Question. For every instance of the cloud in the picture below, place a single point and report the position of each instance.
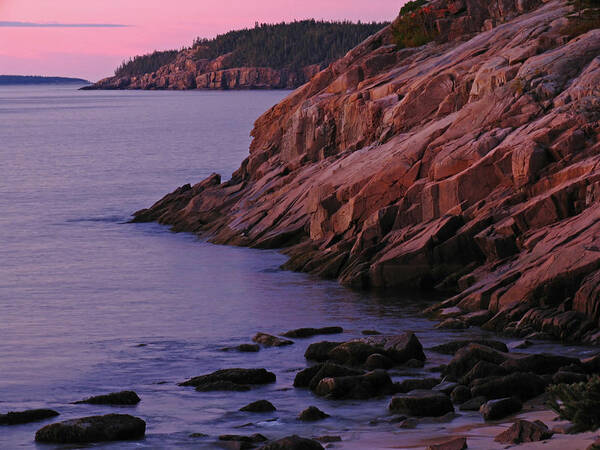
(59, 25)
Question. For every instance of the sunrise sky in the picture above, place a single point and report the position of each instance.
(78, 37)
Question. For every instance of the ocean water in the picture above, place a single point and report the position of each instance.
(90, 304)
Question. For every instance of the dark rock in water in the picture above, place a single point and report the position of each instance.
(483, 369)
(303, 377)
(467, 357)
(404, 347)
(452, 324)
(293, 443)
(499, 409)
(328, 370)
(416, 384)
(352, 352)
(541, 363)
(329, 439)
(32, 415)
(319, 351)
(474, 404)
(259, 406)
(257, 437)
(235, 376)
(248, 348)
(446, 387)
(269, 340)
(371, 384)
(521, 385)
(561, 377)
(414, 364)
(312, 414)
(379, 361)
(370, 332)
(308, 332)
(198, 435)
(116, 398)
(460, 394)
(450, 348)
(524, 431)
(459, 443)
(223, 386)
(422, 404)
(112, 427)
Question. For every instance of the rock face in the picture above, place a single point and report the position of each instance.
(470, 164)
(187, 72)
(112, 427)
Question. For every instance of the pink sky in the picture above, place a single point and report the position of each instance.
(93, 53)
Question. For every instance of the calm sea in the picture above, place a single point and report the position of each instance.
(90, 304)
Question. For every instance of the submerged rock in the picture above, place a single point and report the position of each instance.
(31, 415)
(112, 427)
(293, 443)
(230, 380)
(268, 340)
(371, 384)
(115, 398)
(259, 406)
(312, 414)
(422, 403)
(524, 431)
(308, 332)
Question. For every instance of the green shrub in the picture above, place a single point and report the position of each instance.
(415, 27)
(578, 403)
(412, 6)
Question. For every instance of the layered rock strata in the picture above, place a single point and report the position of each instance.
(470, 165)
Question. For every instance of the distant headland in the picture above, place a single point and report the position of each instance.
(19, 80)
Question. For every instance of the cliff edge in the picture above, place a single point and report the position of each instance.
(470, 165)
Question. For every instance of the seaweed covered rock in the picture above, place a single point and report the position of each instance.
(111, 427)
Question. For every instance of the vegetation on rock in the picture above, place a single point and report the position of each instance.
(283, 45)
(415, 26)
(578, 403)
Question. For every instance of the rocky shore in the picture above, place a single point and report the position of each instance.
(469, 165)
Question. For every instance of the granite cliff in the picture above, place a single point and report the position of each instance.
(469, 165)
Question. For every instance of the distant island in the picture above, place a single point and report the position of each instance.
(18, 80)
(268, 56)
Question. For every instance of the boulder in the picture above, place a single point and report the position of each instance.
(312, 414)
(31, 415)
(352, 352)
(416, 384)
(404, 347)
(467, 357)
(540, 363)
(459, 443)
(319, 351)
(259, 406)
(116, 398)
(241, 377)
(223, 386)
(293, 443)
(422, 403)
(371, 384)
(460, 394)
(379, 361)
(241, 442)
(268, 340)
(112, 427)
(473, 404)
(308, 332)
(450, 348)
(501, 408)
(311, 376)
(524, 431)
(483, 369)
(522, 385)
